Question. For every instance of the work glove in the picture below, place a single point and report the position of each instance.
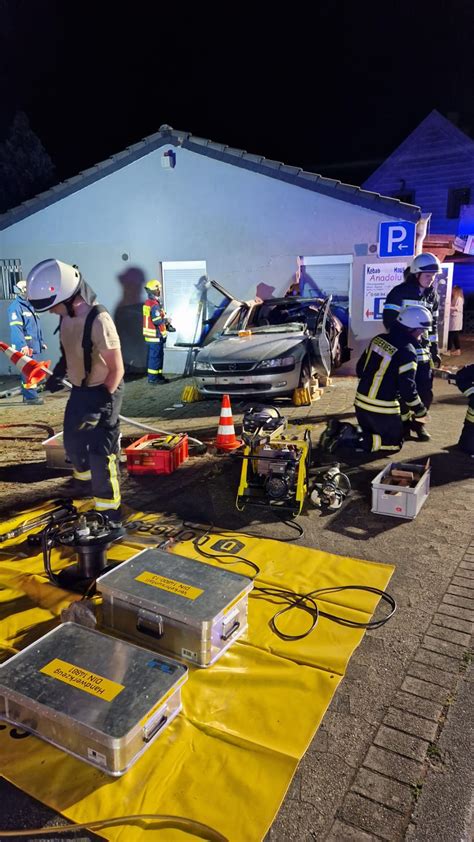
(26, 351)
(169, 327)
(53, 383)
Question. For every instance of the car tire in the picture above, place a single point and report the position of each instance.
(305, 374)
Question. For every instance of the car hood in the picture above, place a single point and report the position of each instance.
(251, 348)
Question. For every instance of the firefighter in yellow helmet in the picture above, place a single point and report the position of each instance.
(155, 329)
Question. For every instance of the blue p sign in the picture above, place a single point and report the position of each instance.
(397, 239)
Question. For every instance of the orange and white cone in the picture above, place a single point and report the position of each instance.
(226, 439)
(32, 370)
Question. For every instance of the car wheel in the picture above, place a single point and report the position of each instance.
(305, 374)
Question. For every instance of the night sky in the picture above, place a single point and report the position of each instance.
(344, 84)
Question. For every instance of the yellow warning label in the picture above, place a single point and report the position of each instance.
(170, 585)
(91, 683)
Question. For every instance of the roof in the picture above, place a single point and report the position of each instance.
(432, 138)
(167, 136)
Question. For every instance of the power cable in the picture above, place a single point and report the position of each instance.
(203, 831)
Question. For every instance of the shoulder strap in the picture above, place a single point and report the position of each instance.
(87, 339)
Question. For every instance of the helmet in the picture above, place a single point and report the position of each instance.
(153, 286)
(20, 288)
(52, 282)
(415, 317)
(426, 262)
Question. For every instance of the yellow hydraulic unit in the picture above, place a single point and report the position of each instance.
(275, 462)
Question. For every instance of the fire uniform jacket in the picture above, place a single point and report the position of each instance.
(410, 294)
(25, 327)
(154, 321)
(387, 371)
(465, 384)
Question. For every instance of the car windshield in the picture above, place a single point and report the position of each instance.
(275, 317)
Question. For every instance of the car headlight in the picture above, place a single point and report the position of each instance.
(202, 366)
(277, 362)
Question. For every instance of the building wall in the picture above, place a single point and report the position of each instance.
(250, 229)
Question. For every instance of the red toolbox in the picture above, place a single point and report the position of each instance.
(157, 453)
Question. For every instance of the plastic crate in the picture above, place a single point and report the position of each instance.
(144, 459)
(397, 501)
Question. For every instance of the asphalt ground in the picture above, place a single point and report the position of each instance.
(392, 757)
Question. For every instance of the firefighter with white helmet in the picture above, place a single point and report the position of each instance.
(92, 359)
(26, 336)
(155, 329)
(387, 376)
(418, 288)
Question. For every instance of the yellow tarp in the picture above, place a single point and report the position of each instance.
(228, 758)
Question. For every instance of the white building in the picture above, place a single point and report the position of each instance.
(178, 207)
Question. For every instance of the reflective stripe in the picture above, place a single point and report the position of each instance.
(392, 307)
(470, 415)
(378, 377)
(376, 442)
(469, 391)
(407, 367)
(154, 370)
(377, 401)
(15, 323)
(379, 410)
(406, 416)
(83, 476)
(114, 502)
(390, 447)
(152, 339)
(413, 403)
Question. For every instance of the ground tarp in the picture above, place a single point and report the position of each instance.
(228, 758)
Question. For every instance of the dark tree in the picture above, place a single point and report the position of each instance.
(25, 167)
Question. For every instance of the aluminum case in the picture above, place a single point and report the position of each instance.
(185, 608)
(99, 698)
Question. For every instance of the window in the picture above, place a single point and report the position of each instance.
(408, 198)
(10, 274)
(182, 296)
(457, 196)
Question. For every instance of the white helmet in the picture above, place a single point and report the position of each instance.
(52, 282)
(20, 288)
(426, 262)
(415, 317)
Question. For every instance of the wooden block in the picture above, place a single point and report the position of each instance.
(396, 472)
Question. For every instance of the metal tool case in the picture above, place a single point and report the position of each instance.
(101, 699)
(176, 605)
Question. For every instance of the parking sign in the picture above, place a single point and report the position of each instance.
(397, 239)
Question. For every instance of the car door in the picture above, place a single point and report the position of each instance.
(320, 343)
(211, 310)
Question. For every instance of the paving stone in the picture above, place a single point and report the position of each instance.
(467, 565)
(433, 674)
(460, 601)
(420, 707)
(373, 817)
(455, 611)
(342, 832)
(412, 724)
(436, 644)
(384, 790)
(451, 635)
(459, 590)
(435, 659)
(393, 765)
(404, 744)
(453, 623)
(463, 582)
(425, 689)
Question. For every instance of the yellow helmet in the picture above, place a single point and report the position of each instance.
(153, 286)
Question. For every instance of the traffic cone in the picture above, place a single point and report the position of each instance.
(32, 370)
(226, 439)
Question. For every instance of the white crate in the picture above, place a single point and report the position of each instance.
(56, 454)
(396, 501)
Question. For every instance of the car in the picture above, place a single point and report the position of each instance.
(265, 348)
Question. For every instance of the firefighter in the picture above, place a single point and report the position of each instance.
(387, 375)
(417, 288)
(92, 359)
(464, 379)
(155, 328)
(25, 335)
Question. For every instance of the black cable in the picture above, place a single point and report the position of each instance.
(210, 527)
(234, 559)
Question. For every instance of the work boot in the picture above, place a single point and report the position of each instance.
(33, 401)
(421, 433)
(333, 428)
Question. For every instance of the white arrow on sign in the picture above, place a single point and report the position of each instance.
(396, 235)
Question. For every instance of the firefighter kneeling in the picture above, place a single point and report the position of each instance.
(386, 372)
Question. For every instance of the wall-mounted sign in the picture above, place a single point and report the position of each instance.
(397, 239)
(379, 279)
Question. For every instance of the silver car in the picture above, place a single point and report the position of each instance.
(265, 348)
